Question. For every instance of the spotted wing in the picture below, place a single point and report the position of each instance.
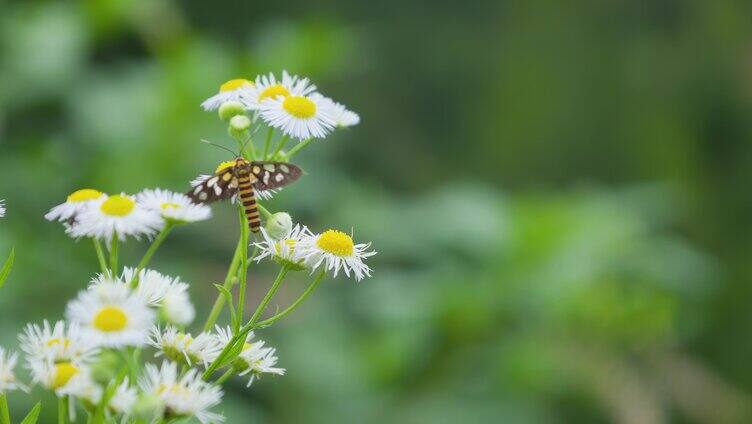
(271, 175)
(211, 188)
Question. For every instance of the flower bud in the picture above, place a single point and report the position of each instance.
(278, 225)
(105, 369)
(230, 109)
(239, 125)
(147, 407)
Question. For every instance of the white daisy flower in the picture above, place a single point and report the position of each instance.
(335, 250)
(8, 379)
(125, 397)
(342, 116)
(231, 90)
(284, 251)
(300, 116)
(152, 287)
(183, 347)
(112, 314)
(120, 215)
(57, 342)
(54, 375)
(254, 358)
(176, 207)
(183, 396)
(2, 208)
(77, 202)
(267, 87)
(177, 308)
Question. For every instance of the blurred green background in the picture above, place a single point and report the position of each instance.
(558, 191)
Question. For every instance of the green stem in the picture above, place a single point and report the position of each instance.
(282, 142)
(243, 274)
(306, 293)
(62, 410)
(229, 373)
(220, 302)
(4, 412)
(151, 250)
(272, 290)
(268, 142)
(100, 255)
(115, 244)
(298, 147)
(264, 211)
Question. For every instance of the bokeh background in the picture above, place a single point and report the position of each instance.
(559, 193)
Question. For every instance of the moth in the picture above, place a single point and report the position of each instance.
(244, 178)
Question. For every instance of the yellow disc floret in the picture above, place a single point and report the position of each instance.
(110, 319)
(299, 106)
(274, 91)
(59, 341)
(118, 205)
(84, 195)
(234, 84)
(224, 165)
(64, 371)
(336, 242)
(169, 205)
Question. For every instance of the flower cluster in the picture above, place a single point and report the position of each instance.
(93, 360)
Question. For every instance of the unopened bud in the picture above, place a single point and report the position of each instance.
(239, 125)
(148, 407)
(230, 109)
(278, 225)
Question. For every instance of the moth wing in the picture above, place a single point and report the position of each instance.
(271, 175)
(211, 188)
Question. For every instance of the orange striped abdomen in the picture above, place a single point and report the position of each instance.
(248, 199)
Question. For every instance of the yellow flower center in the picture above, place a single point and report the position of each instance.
(57, 341)
(118, 206)
(186, 339)
(224, 165)
(84, 195)
(110, 319)
(299, 106)
(247, 346)
(234, 84)
(274, 91)
(64, 371)
(336, 242)
(170, 205)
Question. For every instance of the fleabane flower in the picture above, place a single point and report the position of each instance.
(300, 116)
(119, 215)
(230, 91)
(268, 87)
(77, 202)
(342, 116)
(183, 396)
(254, 359)
(335, 251)
(285, 249)
(58, 342)
(112, 314)
(55, 375)
(183, 347)
(175, 207)
(125, 397)
(8, 379)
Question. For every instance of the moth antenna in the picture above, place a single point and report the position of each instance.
(221, 147)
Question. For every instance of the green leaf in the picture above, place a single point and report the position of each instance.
(33, 414)
(4, 413)
(5, 270)
(228, 298)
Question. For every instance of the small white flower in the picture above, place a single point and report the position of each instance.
(54, 375)
(183, 396)
(267, 87)
(342, 116)
(300, 116)
(152, 287)
(118, 215)
(335, 250)
(261, 194)
(125, 397)
(231, 90)
(254, 358)
(285, 249)
(8, 379)
(177, 308)
(77, 202)
(57, 342)
(112, 314)
(173, 206)
(183, 347)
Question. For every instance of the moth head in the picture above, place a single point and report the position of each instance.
(242, 166)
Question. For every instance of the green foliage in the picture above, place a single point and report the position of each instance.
(7, 266)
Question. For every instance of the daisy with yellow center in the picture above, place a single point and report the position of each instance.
(8, 379)
(119, 215)
(175, 207)
(59, 342)
(231, 91)
(254, 358)
(55, 375)
(268, 87)
(300, 116)
(112, 315)
(183, 348)
(183, 395)
(284, 250)
(335, 250)
(76, 203)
